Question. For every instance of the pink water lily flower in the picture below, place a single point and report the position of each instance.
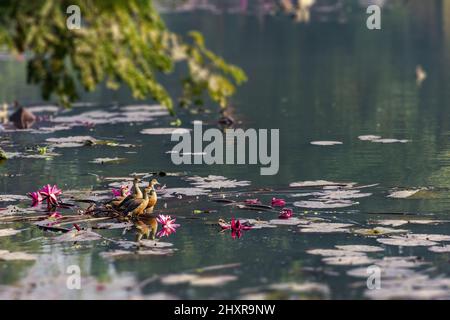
(118, 192)
(285, 213)
(51, 193)
(237, 227)
(252, 201)
(168, 225)
(36, 197)
(278, 202)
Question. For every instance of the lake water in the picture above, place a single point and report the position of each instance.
(314, 82)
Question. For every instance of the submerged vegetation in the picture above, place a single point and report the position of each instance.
(119, 42)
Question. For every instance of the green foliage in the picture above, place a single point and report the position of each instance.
(120, 42)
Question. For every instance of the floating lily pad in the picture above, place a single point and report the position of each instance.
(316, 183)
(403, 194)
(325, 143)
(389, 140)
(400, 262)
(359, 248)
(114, 225)
(163, 131)
(386, 273)
(10, 256)
(190, 192)
(155, 244)
(324, 227)
(396, 223)
(324, 204)
(76, 236)
(378, 231)
(216, 182)
(212, 281)
(300, 287)
(8, 232)
(289, 222)
(348, 260)
(175, 279)
(369, 137)
(12, 198)
(341, 194)
(70, 142)
(108, 160)
(440, 249)
(198, 281)
(405, 241)
(334, 253)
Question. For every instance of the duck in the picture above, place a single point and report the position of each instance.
(153, 196)
(118, 200)
(137, 206)
(137, 194)
(147, 226)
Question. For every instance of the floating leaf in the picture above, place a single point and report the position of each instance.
(163, 131)
(76, 236)
(378, 231)
(316, 183)
(9, 256)
(440, 249)
(325, 143)
(334, 253)
(405, 241)
(8, 232)
(108, 160)
(359, 248)
(212, 281)
(403, 194)
(368, 137)
(324, 227)
(325, 204)
(348, 260)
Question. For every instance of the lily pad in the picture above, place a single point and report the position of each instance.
(324, 204)
(289, 222)
(108, 160)
(334, 253)
(212, 281)
(12, 198)
(324, 227)
(378, 231)
(325, 143)
(10, 256)
(403, 194)
(8, 232)
(316, 183)
(164, 131)
(359, 248)
(440, 249)
(216, 182)
(369, 137)
(77, 236)
(406, 242)
(348, 260)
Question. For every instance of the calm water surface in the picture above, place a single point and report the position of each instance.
(320, 81)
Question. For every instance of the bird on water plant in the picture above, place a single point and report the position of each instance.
(119, 42)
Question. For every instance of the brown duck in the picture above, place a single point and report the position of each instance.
(137, 194)
(118, 200)
(153, 197)
(137, 206)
